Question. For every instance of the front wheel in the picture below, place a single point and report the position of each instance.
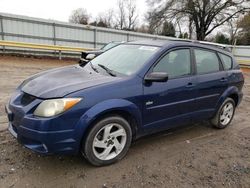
(108, 141)
(224, 115)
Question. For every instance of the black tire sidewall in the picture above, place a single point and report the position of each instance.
(216, 120)
(87, 145)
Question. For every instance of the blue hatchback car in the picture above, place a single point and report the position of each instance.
(132, 90)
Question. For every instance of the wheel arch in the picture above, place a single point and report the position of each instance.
(120, 107)
(235, 97)
(231, 92)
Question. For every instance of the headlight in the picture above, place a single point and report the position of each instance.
(52, 107)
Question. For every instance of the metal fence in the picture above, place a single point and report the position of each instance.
(34, 30)
(42, 31)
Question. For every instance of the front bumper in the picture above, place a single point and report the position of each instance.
(41, 142)
(57, 135)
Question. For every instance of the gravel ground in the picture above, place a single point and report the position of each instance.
(193, 156)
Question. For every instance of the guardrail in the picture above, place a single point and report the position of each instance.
(243, 63)
(43, 47)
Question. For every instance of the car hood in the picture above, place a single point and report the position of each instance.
(59, 82)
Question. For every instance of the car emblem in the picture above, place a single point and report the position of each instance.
(149, 103)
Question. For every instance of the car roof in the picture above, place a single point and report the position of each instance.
(175, 43)
(159, 43)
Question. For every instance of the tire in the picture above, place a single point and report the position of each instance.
(108, 141)
(224, 115)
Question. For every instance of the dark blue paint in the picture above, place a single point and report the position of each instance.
(175, 102)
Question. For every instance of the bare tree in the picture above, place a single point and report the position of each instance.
(108, 17)
(104, 19)
(233, 30)
(79, 16)
(132, 14)
(127, 15)
(205, 15)
(190, 27)
(121, 15)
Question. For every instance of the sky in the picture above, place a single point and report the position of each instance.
(61, 9)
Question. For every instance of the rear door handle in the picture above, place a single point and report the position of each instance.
(190, 84)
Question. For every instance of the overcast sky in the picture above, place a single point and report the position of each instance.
(61, 9)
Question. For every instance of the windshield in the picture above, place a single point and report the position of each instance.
(125, 59)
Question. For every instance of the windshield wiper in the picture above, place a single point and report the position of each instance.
(109, 71)
(92, 66)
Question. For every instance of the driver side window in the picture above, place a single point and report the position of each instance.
(176, 63)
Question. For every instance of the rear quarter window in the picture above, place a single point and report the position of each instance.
(227, 61)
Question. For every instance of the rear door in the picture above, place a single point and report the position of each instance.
(211, 81)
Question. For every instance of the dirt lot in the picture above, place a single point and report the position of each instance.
(194, 156)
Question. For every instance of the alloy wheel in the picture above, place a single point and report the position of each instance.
(109, 141)
(226, 113)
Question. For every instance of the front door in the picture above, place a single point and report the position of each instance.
(167, 104)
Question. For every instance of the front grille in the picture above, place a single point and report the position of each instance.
(27, 99)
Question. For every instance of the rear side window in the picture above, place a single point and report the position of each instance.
(176, 63)
(226, 60)
(206, 61)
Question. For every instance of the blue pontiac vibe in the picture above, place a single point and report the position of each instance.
(132, 90)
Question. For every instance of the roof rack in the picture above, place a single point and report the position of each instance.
(221, 46)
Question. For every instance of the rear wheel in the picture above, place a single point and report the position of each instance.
(224, 115)
(108, 141)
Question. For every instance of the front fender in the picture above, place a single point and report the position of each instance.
(233, 90)
(104, 107)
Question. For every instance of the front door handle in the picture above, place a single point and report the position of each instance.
(190, 84)
(223, 79)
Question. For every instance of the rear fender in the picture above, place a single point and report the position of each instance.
(230, 91)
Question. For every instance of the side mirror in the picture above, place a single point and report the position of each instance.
(83, 62)
(156, 77)
(90, 56)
